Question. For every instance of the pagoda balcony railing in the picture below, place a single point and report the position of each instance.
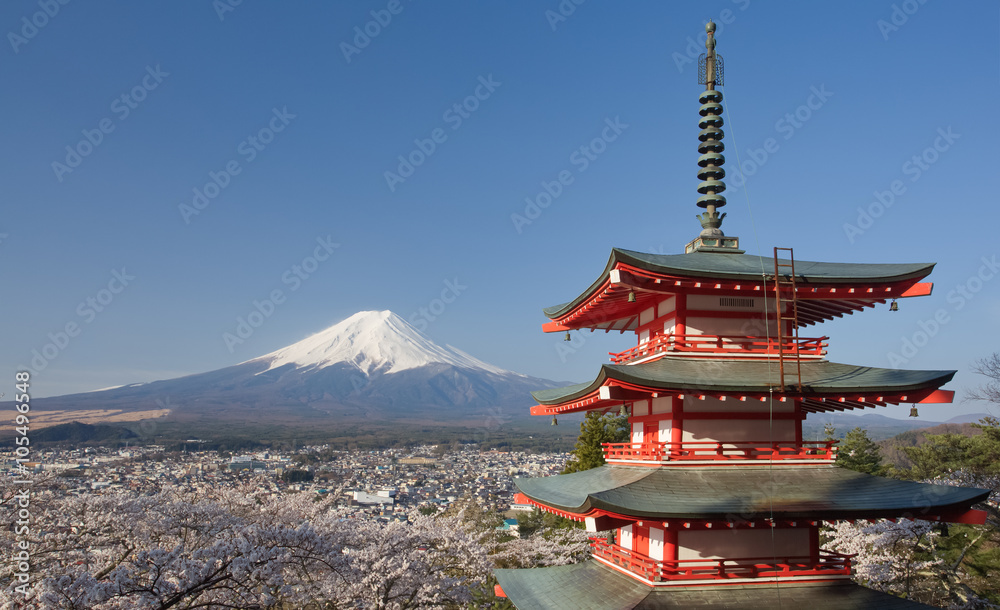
(826, 564)
(721, 451)
(728, 345)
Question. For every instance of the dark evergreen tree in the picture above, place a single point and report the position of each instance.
(595, 430)
(942, 454)
(829, 432)
(860, 453)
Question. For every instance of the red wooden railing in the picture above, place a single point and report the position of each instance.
(721, 451)
(759, 347)
(827, 564)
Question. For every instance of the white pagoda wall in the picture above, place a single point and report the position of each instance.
(708, 419)
(663, 316)
(625, 536)
(656, 543)
(722, 428)
(706, 430)
(743, 327)
(751, 320)
(743, 543)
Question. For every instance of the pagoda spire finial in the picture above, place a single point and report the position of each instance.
(710, 172)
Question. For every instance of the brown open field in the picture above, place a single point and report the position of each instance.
(44, 419)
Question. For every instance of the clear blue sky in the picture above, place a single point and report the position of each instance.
(328, 120)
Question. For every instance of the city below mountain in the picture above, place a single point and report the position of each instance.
(374, 367)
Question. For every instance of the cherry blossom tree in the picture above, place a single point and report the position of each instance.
(922, 560)
(888, 554)
(234, 548)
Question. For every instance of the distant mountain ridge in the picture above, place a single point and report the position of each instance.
(373, 366)
(878, 426)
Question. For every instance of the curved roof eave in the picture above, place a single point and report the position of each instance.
(751, 492)
(590, 585)
(818, 378)
(730, 266)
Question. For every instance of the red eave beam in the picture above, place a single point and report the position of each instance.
(498, 591)
(555, 327)
(587, 403)
(922, 289)
(560, 513)
(938, 396)
(969, 517)
(602, 516)
(606, 396)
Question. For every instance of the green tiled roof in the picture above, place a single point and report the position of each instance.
(745, 493)
(818, 377)
(749, 267)
(592, 586)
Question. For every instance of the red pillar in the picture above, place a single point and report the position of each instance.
(798, 420)
(670, 544)
(680, 319)
(677, 420)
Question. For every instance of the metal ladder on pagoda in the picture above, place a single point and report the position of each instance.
(785, 294)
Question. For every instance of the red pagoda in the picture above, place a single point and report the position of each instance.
(717, 501)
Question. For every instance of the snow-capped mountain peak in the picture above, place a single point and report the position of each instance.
(372, 341)
(407, 378)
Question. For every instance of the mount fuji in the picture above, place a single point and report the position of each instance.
(375, 343)
(374, 366)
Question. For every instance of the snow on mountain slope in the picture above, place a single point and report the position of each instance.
(372, 367)
(373, 341)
